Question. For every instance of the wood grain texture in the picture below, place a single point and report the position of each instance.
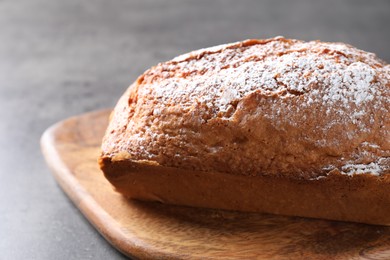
(152, 230)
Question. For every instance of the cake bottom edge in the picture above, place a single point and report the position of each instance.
(361, 198)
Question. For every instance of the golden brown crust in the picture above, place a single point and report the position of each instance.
(260, 107)
(302, 127)
(362, 198)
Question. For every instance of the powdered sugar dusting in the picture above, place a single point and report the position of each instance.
(372, 168)
(291, 71)
(335, 91)
(284, 68)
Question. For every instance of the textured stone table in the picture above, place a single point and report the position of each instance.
(62, 58)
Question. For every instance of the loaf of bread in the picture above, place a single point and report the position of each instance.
(278, 125)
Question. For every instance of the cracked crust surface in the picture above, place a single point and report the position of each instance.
(276, 107)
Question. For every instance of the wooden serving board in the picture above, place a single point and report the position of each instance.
(152, 230)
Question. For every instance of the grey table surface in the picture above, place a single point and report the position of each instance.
(63, 58)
